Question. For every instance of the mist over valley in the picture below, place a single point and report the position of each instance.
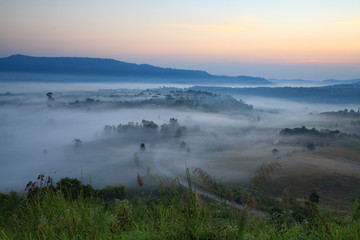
(180, 120)
(96, 134)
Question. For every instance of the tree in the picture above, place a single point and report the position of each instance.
(72, 188)
(142, 147)
(109, 193)
(275, 151)
(183, 145)
(310, 146)
(49, 95)
(149, 124)
(77, 142)
(173, 122)
(314, 198)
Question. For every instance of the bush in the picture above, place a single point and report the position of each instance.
(275, 151)
(9, 204)
(355, 207)
(310, 146)
(109, 193)
(72, 188)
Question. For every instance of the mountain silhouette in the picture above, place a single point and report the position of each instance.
(111, 67)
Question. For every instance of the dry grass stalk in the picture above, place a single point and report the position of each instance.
(262, 174)
(208, 181)
(285, 197)
(140, 180)
(245, 197)
(229, 195)
(248, 200)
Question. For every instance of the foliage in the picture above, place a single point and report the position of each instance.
(344, 113)
(142, 147)
(180, 213)
(310, 146)
(110, 193)
(73, 188)
(304, 131)
(9, 204)
(77, 142)
(275, 151)
(171, 129)
(355, 206)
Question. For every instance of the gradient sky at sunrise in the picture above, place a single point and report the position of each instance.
(316, 40)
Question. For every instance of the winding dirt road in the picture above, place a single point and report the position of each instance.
(162, 170)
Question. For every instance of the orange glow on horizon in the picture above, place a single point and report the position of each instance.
(322, 61)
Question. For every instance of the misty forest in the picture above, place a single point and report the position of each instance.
(178, 161)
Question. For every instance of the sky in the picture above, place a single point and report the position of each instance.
(284, 39)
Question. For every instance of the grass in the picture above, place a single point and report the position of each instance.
(177, 213)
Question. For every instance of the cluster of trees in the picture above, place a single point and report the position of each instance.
(73, 188)
(171, 129)
(313, 132)
(199, 100)
(355, 122)
(344, 113)
(86, 101)
(145, 125)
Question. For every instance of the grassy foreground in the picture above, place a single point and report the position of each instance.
(49, 212)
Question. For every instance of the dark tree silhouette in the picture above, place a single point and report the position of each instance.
(142, 147)
(310, 146)
(275, 151)
(50, 97)
(77, 142)
(182, 145)
(314, 198)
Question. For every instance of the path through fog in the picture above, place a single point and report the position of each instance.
(163, 171)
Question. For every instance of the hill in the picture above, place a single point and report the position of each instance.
(341, 93)
(111, 67)
(301, 82)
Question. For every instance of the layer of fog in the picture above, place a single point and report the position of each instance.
(25, 87)
(291, 107)
(33, 82)
(37, 139)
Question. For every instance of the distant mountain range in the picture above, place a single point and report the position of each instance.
(111, 70)
(119, 71)
(334, 94)
(301, 82)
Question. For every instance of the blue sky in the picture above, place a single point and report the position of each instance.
(274, 39)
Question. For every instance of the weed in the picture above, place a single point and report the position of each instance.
(355, 207)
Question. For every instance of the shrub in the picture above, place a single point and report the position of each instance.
(72, 188)
(355, 207)
(109, 193)
(310, 146)
(275, 151)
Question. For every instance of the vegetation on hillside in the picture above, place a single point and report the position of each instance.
(71, 210)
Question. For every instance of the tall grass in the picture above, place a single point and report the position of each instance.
(179, 214)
